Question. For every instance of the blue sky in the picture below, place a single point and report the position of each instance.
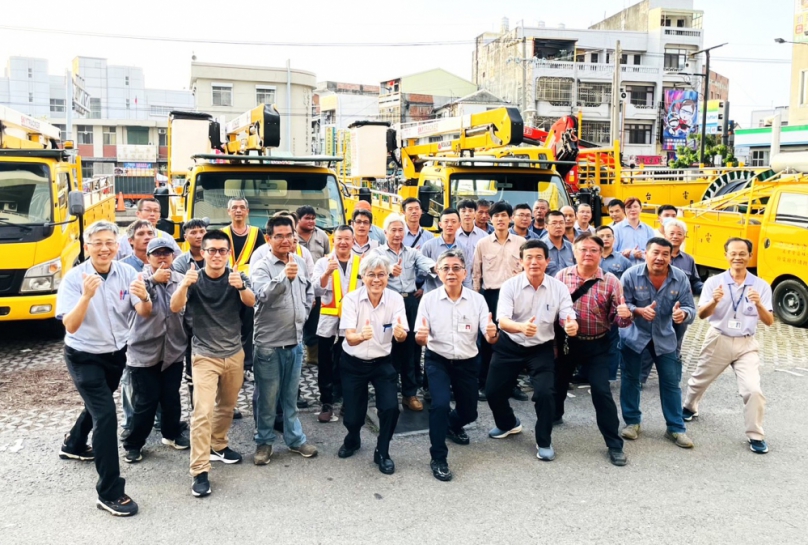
(749, 27)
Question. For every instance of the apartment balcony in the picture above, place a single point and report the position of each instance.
(682, 36)
(132, 153)
(594, 71)
(641, 111)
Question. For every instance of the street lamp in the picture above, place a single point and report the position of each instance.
(782, 41)
(706, 94)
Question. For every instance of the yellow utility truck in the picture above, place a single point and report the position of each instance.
(44, 207)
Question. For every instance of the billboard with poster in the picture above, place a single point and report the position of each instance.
(800, 21)
(681, 121)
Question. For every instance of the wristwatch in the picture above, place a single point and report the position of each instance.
(242, 288)
(147, 299)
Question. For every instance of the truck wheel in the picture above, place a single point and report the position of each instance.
(791, 302)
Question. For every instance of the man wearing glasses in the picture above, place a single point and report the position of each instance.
(214, 297)
(96, 301)
(372, 316)
(448, 321)
(284, 295)
(149, 210)
(362, 222)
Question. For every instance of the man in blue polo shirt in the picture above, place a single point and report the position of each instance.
(96, 302)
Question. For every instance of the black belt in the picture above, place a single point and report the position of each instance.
(286, 347)
(410, 294)
(370, 362)
(589, 337)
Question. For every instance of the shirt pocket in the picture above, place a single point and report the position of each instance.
(387, 335)
(548, 313)
(749, 309)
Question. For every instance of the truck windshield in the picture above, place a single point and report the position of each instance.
(268, 193)
(25, 194)
(510, 187)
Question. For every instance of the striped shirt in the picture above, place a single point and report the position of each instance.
(597, 308)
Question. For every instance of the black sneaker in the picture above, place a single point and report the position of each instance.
(481, 395)
(302, 403)
(617, 457)
(125, 434)
(132, 456)
(518, 394)
(459, 437)
(441, 471)
(226, 455)
(122, 507)
(688, 415)
(237, 414)
(84, 454)
(201, 486)
(180, 443)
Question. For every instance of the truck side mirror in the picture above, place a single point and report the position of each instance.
(161, 194)
(426, 195)
(75, 201)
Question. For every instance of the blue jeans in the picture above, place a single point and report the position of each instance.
(669, 369)
(277, 378)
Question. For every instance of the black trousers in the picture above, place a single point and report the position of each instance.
(486, 350)
(247, 325)
(329, 381)
(153, 387)
(310, 326)
(447, 376)
(402, 353)
(356, 375)
(507, 362)
(96, 377)
(594, 358)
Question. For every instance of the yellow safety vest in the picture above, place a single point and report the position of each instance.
(299, 250)
(242, 262)
(334, 308)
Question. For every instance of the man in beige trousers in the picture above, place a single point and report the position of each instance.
(733, 303)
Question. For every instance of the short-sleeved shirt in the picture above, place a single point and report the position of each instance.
(453, 325)
(495, 263)
(615, 263)
(471, 239)
(627, 237)
(133, 261)
(159, 337)
(183, 263)
(687, 265)
(362, 249)
(520, 301)
(433, 248)
(125, 249)
(263, 251)
(417, 239)
(540, 232)
(560, 258)
(640, 292)
(357, 309)
(736, 296)
(529, 235)
(328, 325)
(413, 263)
(318, 244)
(105, 327)
(597, 308)
(215, 307)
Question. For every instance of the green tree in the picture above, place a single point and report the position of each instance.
(687, 157)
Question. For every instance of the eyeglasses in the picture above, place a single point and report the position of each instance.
(290, 236)
(214, 251)
(455, 269)
(103, 244)
(589, 250)
(357, 222)
(162, 253)
(376, 276)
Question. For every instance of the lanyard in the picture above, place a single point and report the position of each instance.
(736, 304)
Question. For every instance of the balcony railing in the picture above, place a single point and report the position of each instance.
(693, 33)
(594, 68)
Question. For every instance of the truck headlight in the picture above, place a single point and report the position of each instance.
(43, 277)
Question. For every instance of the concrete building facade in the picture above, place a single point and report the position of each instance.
(336, 105)
(416, 97)
(552, 72)
(227, 90)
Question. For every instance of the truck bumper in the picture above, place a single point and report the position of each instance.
(32, 307)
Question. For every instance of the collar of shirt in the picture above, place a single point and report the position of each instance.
(573, 271)
(400, 254)
(443, 295)
(749, 281)
(364, 296)
(524, 282)
(493, 237)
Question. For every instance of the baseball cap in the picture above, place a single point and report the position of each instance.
(157, 243)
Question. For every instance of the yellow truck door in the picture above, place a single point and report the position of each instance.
(782, 253)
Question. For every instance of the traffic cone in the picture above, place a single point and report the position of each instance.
(120, 207)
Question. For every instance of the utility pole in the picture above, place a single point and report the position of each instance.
(615, 118)
(524, 72)
(706, 93)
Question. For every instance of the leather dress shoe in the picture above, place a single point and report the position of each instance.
(386, 465)
(346, 451)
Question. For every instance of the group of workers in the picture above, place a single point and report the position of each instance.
(501, 292)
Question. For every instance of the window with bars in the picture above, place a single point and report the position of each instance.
(641, 95)
(594, 94)
(556, 91)
(760, 158)
(222, 96)
(638, 133)
(595, 131)
(110, 136)
(264, 95)
(84, 134)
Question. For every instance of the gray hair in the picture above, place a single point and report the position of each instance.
(393, 218)
(100, 226)
(673, 222)
(234, 199)
(136, 225)
(458, 254)
(373, 261)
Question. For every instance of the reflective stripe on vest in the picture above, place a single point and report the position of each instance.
(242, 262)
(334, 308)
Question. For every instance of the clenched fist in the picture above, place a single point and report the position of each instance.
(90, 284)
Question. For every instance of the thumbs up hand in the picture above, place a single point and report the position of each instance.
(399, 332)
(571, 326)
(332, 265)
(397, 269)
(235, 280)
(491, 328)
(649, 312)
(162, 274)
(367, 331)
(679, 315)
(191, 276)
(422, 335)
(138, 287)
(90, 284)
(622, 309)
(529, 328)
(718, 293)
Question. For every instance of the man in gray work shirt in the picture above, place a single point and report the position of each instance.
(284, 295)
(407, 264)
